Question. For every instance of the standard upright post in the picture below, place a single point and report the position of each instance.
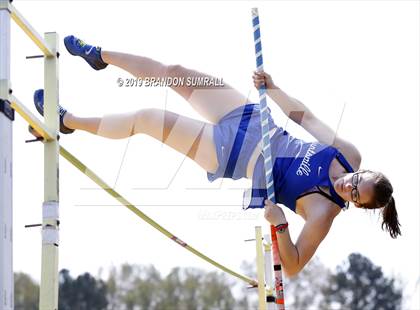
(6, 135)
(268, 268)
(49, 270)
(260, 269)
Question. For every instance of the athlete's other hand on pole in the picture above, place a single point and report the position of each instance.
(273, 213)
(262, 78)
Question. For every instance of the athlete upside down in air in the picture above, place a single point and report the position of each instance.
(316, 180)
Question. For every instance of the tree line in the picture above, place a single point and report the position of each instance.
(355, 284)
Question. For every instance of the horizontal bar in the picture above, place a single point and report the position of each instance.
(32, 120)
(89, 173)
(29, 30)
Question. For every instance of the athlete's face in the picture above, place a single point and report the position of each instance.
(356, 187)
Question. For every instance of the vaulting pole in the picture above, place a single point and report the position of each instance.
(268, 164)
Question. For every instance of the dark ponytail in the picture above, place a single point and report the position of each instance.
(383, 198)
(390, 219)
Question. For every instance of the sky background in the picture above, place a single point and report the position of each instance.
(360, 58)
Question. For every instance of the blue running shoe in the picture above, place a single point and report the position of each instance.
(39, 105)
(88, 52)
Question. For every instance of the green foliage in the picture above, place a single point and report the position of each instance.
(356, 284)
(215, 292)
(142, 287)
(304, 291)
(359, 284)
(26, 292)
(82, 293)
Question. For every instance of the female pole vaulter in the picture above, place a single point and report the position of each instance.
(317, 180)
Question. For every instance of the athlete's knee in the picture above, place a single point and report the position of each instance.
(155, 122)
(175, 70)
(117, 126)
(144, 119)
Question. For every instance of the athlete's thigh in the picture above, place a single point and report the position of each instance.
(212, 102)
(188, 136)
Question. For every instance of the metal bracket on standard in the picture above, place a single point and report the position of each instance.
(5, 5)
(34, 56)
(7, 109)
(51, 222)
(32, 225)
(41, 56)
(36, 135)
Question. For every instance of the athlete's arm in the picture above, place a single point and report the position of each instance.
(303, 116)
(294, 257)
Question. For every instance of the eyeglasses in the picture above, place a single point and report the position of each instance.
(355, 196)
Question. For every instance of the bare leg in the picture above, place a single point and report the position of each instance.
(190, 137)
(211, 102)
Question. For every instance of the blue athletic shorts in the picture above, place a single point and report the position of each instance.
(236, 135)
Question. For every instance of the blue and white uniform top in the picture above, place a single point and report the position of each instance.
(298, 168)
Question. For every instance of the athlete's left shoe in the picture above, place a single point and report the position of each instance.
(90, 53)
(39, 105)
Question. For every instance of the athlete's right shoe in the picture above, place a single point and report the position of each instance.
(90, 53)
(39, 105)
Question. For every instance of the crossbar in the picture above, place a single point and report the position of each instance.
(27, 28)
(95, 178)
(32, 120)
